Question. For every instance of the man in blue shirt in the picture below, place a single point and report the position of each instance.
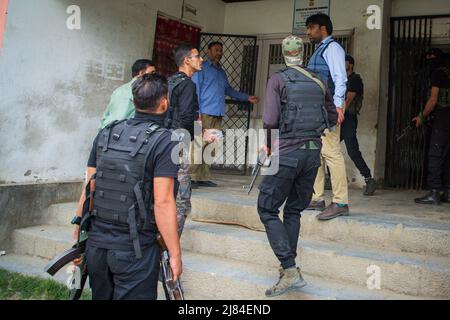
(328, 62)
(212, 87)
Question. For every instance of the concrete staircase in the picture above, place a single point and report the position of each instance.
(232, 262)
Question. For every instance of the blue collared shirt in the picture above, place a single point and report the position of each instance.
(334, 55)
(212, 87)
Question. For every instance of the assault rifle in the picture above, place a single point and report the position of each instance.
(260, 163)
(172, 289)
(405, 132)
(78, 281)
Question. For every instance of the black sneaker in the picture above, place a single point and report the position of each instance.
(206, 184)
(194, 184)
(432, 197)
(371, 186)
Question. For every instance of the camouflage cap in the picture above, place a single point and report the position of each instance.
(293, 50)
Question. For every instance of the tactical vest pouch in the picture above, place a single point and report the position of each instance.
(121, 189)
(304, 114)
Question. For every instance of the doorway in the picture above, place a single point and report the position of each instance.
(169, 34)
(239, 62)
(271, 59)
(407, 148)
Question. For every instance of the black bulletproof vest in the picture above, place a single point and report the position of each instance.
(173, 119)
(304, 114)
(123, 195)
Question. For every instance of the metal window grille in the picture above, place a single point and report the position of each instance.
(239, 62)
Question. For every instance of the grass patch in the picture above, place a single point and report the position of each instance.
(14, 286)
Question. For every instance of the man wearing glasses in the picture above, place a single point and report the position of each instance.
(182, 114)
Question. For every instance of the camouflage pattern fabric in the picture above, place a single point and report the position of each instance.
(183, 200)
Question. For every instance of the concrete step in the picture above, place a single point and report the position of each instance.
(31, 266)
(383, 231)
(60, 214)
(34, 266)
(44, 241)
(400, 273)
(215, 278)
(206, 278)
(227, 273)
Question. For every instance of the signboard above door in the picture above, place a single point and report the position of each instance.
(305, 8)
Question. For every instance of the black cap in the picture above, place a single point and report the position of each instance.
(350, 59)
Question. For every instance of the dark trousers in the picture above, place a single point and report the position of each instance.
(348, 134)
(294, 184)
(439, 153)
(118, 275)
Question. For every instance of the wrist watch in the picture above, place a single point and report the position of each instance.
(76, 221)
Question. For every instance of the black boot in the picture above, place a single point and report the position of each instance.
(433, 197)
(446, 196)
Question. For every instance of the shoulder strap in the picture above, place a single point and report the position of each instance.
(107, 133)
(310, 76)
(327, 45)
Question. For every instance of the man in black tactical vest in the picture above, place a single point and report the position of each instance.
(182, 114)
(438, 108)
(299, 105)
(134, 199)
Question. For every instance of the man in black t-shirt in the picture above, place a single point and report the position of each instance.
(183, 113)
(353, 105)
(438, 107)
(134, 200)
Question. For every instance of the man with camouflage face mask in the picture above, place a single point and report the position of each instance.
(300, 106)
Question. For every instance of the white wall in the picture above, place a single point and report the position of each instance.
(276, 16)
(52, 86)
(402, 8)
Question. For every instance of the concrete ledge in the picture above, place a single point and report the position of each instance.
(400, 273)
(386, 232)
(22, 205)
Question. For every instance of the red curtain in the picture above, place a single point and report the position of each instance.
(170, 34)
(3, 12)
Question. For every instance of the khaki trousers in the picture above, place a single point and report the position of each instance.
(332, 157)
(200, 172)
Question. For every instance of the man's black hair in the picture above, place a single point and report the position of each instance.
(322, 20)
(350, 59)
(181, 52)
(148, 90)
(215, 43)
(140, 65)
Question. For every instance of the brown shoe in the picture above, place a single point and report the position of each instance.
(333, 211)
(317, 205)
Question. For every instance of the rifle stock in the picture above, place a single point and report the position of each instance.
(79, 248)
